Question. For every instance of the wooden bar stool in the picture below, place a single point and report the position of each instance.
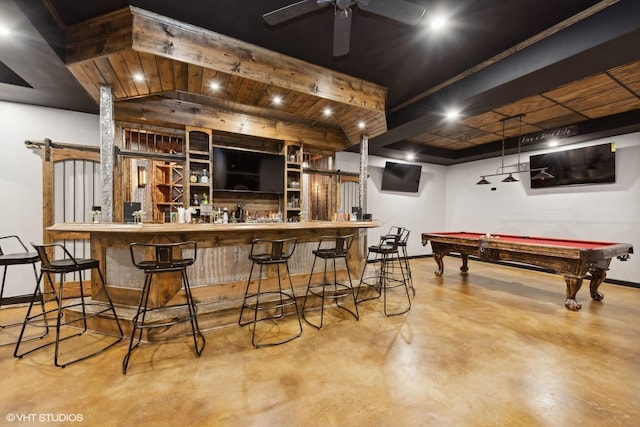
(15, 252)
(270, 304)
(156, 259)
(63, 319)
(391, 274)
(331, 248)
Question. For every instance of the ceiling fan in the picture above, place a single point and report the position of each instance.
(397, 10)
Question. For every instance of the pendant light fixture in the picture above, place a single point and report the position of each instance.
(542, 172)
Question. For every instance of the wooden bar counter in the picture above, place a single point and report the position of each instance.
(218, 277)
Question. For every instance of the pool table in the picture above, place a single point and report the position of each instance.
(571, 258)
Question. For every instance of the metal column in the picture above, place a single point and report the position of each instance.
(364, 161)
(107, 136)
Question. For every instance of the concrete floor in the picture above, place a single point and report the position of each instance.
(495, 347)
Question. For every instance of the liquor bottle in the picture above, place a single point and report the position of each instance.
(194, 201)
(204, 178)
(240, 212)
(193, 177)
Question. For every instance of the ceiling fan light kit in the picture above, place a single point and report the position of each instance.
(397, 10)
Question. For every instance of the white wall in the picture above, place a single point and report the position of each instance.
(21, 172)
(603, 212)
(449, 200)
(419, 212)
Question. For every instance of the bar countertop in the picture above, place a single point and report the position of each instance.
(106, 227)
(222, 268)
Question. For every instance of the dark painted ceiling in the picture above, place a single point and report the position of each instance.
(575, 40)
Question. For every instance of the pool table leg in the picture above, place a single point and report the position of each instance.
(465, 261)
(438, 257)
(597, 277)
(573, 286)
(439, 260)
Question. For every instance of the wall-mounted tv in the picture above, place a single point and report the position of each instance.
(247, 171)
(588, 165)
(402, 177)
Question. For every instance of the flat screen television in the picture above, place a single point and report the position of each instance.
(247, 171)
(588, 165)
(401, 177)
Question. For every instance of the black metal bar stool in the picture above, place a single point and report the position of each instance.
(89, 308)
(270, 304)
(21, 257)
(391, 272)
(331, 248)
(156, 259)
(402, 244)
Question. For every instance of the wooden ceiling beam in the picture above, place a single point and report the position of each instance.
(171, 112)
(147, 32)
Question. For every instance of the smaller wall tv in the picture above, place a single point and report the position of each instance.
(588, 165)
(401, 177)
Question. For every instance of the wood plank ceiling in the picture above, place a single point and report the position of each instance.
(605, 94)
(180, 62)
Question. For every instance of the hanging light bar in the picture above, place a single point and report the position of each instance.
(542, 172)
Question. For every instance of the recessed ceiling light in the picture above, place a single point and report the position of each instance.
(361, 125)
(327, 112)
(139, 77)
(411, 156)
(214, 86)
(277, 99)
(438, 22)
(452, 114)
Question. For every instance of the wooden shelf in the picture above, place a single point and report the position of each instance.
(198, 151)
(168, 191)
(293, 180)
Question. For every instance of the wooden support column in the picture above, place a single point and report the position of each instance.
(107, 136)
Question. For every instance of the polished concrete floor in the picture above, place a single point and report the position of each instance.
(495, 347)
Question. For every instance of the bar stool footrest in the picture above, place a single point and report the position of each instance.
(340, 290)
(152, 323)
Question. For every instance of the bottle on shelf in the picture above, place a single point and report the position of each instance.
(205, 199)
(240, 213)
(194, 201)
(193, 178)
(225, 216)
(204, 178)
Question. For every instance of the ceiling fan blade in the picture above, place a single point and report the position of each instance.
(398, 10)
(341, 32)
(294, 10)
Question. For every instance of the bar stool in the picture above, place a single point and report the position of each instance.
(402, 244)
(23, 257)
(270, 304)
(156, 259)
(90, 309)
(391, 273)
(331, 248)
